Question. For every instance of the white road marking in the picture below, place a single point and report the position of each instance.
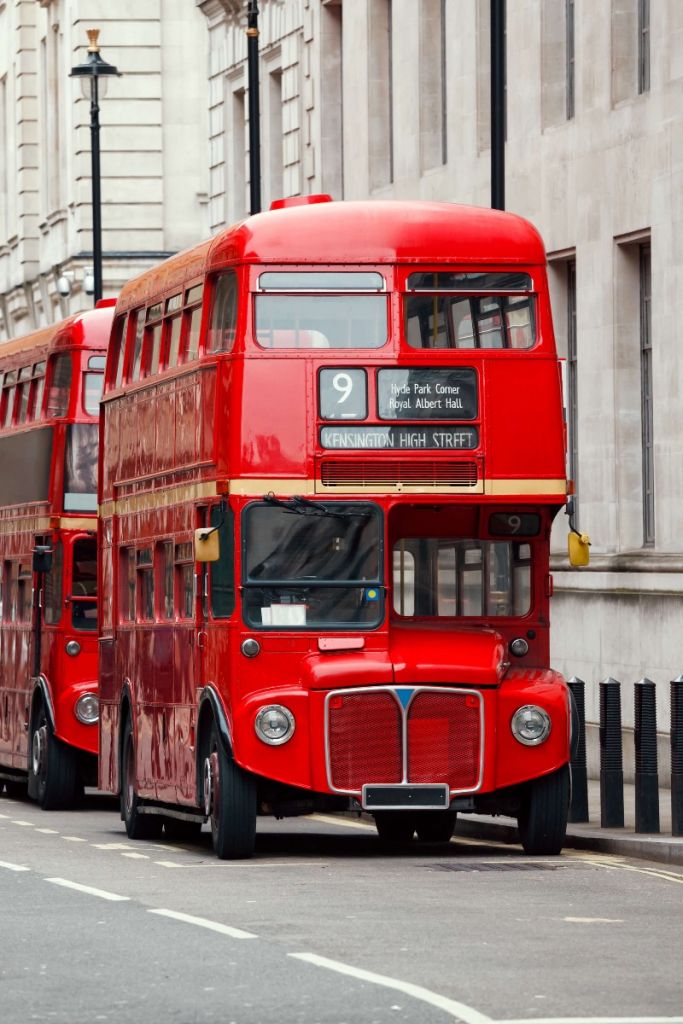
(12, 867)
(203, 922)
(102, 893)
(460, 1011)
(48, 831)
(136, 856)
(595, 1020)
(4, 815)
(110, 846)
(594, 920)
(26, 824)
(329, 819)
(169, 864)
(74, 839)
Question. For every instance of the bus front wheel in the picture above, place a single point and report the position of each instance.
(138, 825)
(542, 820)
(229, 803)
(53, 770)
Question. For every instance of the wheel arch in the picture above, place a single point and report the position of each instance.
(42, 693)
(210, 710)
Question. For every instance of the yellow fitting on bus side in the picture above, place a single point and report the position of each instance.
(579, 548)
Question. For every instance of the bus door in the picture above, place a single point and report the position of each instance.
(216, 603)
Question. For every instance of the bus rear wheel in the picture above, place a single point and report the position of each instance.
(542, 820)
(53, 770)
(138, 825)
(395, 826)
(435, 826)
(229, 803)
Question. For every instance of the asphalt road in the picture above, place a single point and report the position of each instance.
(324, 925)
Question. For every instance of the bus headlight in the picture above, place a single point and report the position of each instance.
(87, 708)
(73, 648)
(274, 724)
(530, 725)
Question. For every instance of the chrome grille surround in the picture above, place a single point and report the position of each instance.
(404, 711)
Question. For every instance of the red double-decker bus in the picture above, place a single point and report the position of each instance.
(332, 449)
(51, 384)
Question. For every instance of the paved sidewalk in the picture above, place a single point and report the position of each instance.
(590, 836)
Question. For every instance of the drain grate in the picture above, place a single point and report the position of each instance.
(473, 866)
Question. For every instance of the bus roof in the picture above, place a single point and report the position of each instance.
(371, 232)
(87, 329)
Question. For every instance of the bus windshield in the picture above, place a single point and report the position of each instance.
(309, 569)
(80, 468)
(438, 577)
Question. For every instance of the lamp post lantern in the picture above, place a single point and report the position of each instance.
(93, 75)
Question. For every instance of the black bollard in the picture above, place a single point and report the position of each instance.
(578, 809)
(677, 756)
(645, 740)
(611, 761)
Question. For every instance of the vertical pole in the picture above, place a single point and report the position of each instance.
(645, 740)
(254, 112)
(578, 810)
(677, 756)
(96, 200)
(498, 104)
(611, 760)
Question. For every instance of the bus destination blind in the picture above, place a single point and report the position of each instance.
(406, 437)
(427, 394)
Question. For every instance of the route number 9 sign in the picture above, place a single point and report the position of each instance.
(343, 394)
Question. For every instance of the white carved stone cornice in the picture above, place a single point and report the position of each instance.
(222, 10)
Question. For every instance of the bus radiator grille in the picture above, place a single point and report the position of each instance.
(364, 740)
(422, 472)
(444, 739)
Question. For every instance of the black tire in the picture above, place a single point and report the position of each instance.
(542, 820)
(53, 766)
(175, 829)
(435, 826)
(229, 802)
(395, 826)
(138, 826)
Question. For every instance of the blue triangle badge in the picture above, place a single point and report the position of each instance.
(404, 694)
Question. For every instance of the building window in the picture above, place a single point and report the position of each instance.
(380, 94)
(646, 397)
(643, 46)
(569, 57)
(432, 83)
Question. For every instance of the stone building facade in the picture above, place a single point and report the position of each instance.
(153, 137)
(390, 99)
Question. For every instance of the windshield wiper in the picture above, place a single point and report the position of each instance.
(301, 506)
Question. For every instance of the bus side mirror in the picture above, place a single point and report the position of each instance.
(206, 546)
(579, 545)
(42, 558)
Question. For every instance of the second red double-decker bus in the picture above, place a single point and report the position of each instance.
(332, 449)
(51, 382)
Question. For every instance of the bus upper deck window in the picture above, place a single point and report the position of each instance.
(223, 314)
(60, 385)
(24, 393)
(8, 396)
(449, 309)
(139, 330)
(92, 385)
(321, 309)
(38, 390)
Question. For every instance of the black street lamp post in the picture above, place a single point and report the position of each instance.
(90, 73)
(254, 113)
